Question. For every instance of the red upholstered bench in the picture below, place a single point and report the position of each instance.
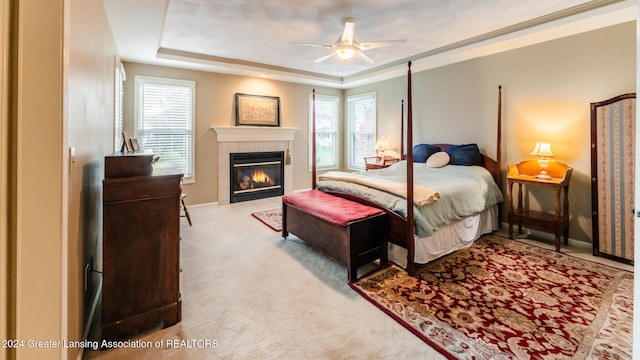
(351, 233)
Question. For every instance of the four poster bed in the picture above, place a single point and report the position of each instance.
(455, 193)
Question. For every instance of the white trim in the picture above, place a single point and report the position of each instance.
(139, 80)
(588, 16)
(335, 127)
(350, 146)
(254, 133)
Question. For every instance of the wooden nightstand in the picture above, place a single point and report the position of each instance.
(557, 222)
(379, 162)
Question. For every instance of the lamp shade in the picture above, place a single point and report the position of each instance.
(382, 145)
(542, 149)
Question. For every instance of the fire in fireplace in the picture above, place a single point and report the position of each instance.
(256, 175)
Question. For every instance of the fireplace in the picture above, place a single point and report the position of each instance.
(256, 175)
(244, 139)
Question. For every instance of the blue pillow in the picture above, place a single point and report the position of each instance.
(467, 154)
(421, 152)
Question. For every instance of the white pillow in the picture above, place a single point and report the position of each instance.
(438, 159)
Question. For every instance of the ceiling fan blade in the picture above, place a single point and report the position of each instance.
(308, 44)
(323, 58)
(347, 33)
(376, 44)
(362, 55)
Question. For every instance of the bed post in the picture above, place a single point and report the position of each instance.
(402, 157)
(498, 171)
(499, 141)
(409, 161)
(313, 139)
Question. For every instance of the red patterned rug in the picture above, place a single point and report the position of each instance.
(271, 218)
(503, 299)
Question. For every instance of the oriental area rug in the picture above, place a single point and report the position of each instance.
(271, 218)
(504, 299)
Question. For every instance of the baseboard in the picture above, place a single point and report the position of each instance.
(545, 236)
(202, 204)
(301, 190)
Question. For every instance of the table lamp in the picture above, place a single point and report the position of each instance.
(382, 145)
(544, 151)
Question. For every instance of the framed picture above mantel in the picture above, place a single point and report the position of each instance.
(257, 110)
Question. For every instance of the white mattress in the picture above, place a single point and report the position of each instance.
(448, 238)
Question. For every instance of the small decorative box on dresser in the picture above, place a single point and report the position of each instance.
(557, 222)
(141, 248)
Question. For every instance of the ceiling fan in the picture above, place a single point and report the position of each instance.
(346, 46)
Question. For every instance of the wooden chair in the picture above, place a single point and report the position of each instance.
(379, 162)
(184, 208)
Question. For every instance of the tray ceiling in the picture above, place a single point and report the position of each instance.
(253, 37)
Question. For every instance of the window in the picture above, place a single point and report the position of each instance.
(118, 95)
(361, 114)
(327, 139)
(164, 120)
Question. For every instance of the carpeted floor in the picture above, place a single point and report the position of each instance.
(261, 297)
(506, 299)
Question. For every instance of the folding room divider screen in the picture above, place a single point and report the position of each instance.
(613, 176)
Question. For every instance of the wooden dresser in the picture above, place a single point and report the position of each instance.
(141, 252)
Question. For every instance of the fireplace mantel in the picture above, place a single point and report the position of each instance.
(254, 133)
(238, 139)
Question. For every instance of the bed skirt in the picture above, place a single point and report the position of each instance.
(448, 238)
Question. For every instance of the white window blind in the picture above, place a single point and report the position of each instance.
(327, 135)
(361, 114)
(164, 120)
(118, 111)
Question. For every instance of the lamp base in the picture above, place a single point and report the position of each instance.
(543, 174)
(544, 164)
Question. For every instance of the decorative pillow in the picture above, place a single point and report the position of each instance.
(467, 154)
(438, 159)
(421, 152)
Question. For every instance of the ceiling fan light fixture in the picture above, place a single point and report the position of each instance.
(345, 52)
(346, 47)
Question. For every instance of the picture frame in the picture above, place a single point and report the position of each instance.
(257, 110)
(134, 145)
(126, 143)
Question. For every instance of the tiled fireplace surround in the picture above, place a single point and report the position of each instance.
(243, 139)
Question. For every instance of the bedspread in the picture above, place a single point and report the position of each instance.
(422, 195)
(463, 190)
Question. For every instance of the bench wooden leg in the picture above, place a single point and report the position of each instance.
(285, 233)
(352, 274)
(384, 252)
(359, 243)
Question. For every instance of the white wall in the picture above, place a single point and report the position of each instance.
(90, 94)
(215, 107)
(547, 89)
(40, 177)
(61, 94)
